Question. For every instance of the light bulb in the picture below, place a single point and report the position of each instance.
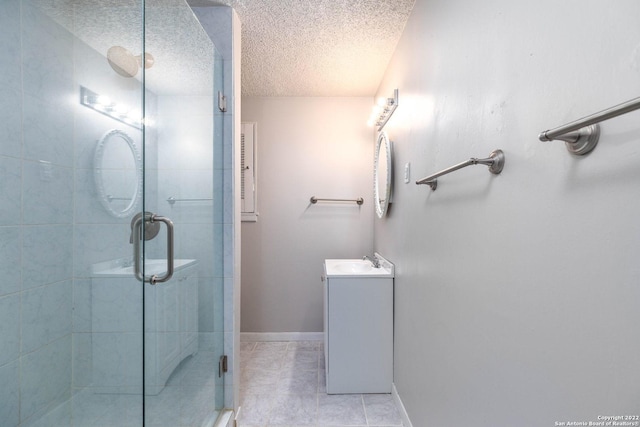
(104, 100)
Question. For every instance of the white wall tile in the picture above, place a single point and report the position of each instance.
(10, 394)
(81, 305)
(117, 361)
(99, 242)
(10, 43)
(116, 305)
(47, 193)
(47, 255)
(10, 259)
(47, 56)
(206, 302)
(11, 110)
(9, 328)
(48, 130)
(46, 315)
(82, 360)
(88, 208)
(10, 190)
(45, 378)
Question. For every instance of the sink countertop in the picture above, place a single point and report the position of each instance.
(123, 268)
(357, 268)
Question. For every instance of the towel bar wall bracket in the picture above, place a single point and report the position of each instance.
(495, 161)
(581, 136)
(578, 142)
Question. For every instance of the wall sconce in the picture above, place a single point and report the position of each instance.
(104, 105)
(383, 110)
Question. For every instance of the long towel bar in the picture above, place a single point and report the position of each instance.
(173, 200)
(315, 200)
(581, 136)
(495, 161)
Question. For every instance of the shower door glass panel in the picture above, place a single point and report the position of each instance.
(183, 328)
(71, 144)
(108, 90)
(83, 342)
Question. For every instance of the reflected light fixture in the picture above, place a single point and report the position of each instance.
(383, 110)
(125, 63)
(117, 111)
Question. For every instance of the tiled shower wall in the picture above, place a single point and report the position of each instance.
(51, 231)
(36, 213)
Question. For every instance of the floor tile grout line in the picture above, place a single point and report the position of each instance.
(364, 407)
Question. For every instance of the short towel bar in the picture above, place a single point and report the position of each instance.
(315, 200)
(495, 161)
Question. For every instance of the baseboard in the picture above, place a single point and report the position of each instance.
(281, 336)
(406, 422)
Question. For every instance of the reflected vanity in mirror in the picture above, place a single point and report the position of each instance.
(382, 175)
(117, 173)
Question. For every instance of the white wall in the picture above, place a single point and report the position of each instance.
(306, 147)
(516, 295)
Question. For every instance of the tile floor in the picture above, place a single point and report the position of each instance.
(283, 384)
(186, 401)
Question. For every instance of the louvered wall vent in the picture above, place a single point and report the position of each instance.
(248, 172)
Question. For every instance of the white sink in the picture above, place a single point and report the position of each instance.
(122, 267)
(356, 268)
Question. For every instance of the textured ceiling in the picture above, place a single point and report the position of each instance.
(289, 47)
(182, 50)
(317, 47)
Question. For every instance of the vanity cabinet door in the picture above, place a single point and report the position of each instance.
(168, 321)
(189, 322)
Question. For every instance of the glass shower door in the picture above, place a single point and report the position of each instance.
(108, 93)
(183, 309)
(94, 134)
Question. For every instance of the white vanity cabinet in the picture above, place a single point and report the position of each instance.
(171, 325)
(358, 327)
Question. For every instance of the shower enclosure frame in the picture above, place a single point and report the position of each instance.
(66, 258)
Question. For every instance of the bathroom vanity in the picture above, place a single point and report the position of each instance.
(358, 326)
(170, 323)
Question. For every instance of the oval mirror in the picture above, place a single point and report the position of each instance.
(382, 174)
(118, 173)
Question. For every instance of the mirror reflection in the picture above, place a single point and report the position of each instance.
(117, 171)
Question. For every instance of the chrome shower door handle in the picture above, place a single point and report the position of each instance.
(136, 229)
(159, 279)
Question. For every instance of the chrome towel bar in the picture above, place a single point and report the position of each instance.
(495, 161)
(315, 200)
(581, 136)
(110, 198)
(173, 200)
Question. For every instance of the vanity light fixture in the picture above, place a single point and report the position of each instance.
(103, 104)
(383, 110)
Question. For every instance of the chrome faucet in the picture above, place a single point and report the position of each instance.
(375, 261)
